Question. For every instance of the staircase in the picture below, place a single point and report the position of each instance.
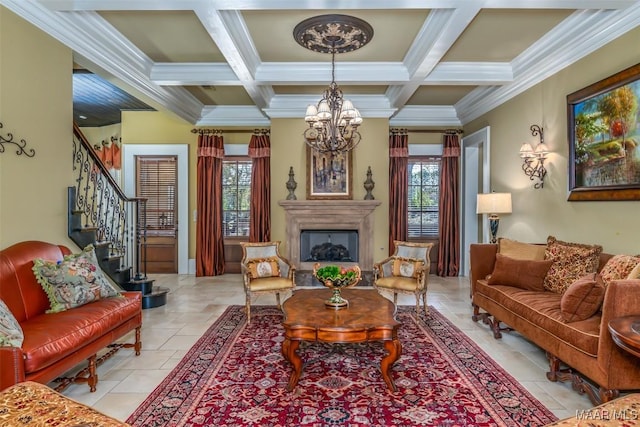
(100, 214)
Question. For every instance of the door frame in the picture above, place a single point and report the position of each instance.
(476, 163)
(129, 152)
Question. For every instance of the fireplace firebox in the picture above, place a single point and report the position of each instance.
(329, 245)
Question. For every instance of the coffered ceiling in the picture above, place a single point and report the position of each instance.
(236, 63)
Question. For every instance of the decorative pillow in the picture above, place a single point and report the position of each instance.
(618, 267)
(583, 298)
(518, 250)
(523, 274)
(635, 273)
(570, 262)
(11, 334)
(267, 267)
(407, 267)
(74, 281)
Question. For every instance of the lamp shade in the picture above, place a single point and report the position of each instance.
(493, 203)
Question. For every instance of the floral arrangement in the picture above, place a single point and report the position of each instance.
(337, 275)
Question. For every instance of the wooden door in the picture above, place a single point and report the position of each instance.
(157, 181)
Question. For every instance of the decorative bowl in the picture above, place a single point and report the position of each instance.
(336, 278)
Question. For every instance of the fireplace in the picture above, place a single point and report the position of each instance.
(329, 245)
(340, 218)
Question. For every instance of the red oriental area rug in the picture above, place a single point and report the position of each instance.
(235, 375)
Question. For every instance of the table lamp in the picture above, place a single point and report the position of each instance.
(494, 204)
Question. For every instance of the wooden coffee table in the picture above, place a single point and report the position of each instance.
(369, 317)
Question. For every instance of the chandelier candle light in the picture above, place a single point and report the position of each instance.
(334, 121)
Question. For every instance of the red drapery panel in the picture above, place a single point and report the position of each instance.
(259, 217)
(398, 187)
(209, 238)
(449, 251)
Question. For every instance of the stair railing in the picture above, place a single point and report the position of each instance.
(118, 220)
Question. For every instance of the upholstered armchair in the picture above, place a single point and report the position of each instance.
(406, 271)
(264, 270)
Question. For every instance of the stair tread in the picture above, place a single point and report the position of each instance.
(140, 281)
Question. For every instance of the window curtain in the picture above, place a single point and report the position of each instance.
(209, 238)
(398, 187)
(259, 217)
(449, 251)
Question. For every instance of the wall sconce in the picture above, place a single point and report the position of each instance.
(493, 204)
(533, 165)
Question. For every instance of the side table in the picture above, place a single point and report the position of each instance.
(625, 332)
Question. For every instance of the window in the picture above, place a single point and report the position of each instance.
(157, 181)
(236, 196)
(424, 196)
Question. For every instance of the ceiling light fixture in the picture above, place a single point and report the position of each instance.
(334, 121)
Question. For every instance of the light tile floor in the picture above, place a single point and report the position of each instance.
(195, 303)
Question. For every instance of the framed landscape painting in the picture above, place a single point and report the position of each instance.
(604, 138)
(329, 175)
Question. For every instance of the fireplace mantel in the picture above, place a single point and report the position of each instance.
(329, 214)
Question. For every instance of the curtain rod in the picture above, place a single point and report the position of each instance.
(445, 131)
(221, 131)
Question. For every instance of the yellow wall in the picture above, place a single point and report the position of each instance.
(96, 135)
(287, 149)
(33, 190)
(35, 105)
(543, 212)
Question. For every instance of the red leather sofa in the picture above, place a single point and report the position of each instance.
(57, 342)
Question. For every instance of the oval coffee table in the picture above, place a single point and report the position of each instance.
(369, 317)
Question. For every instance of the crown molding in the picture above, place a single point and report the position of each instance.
(471, 73)
(425, 115)
(353, 73)
(193, 73)
(95, 40)
(295, 106)
(235, 115)
(580, 34)
(438, 33)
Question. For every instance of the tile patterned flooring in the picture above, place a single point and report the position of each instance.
(195, 303)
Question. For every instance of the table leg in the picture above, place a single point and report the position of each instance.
(394, 348)
(289, 352)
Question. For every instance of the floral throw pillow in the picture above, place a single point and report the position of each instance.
(74, 281)
(618, 267)
(267, 267)
(571, 261)
(407, 267)
(10, 331)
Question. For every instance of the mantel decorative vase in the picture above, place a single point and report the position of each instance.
(336, 278)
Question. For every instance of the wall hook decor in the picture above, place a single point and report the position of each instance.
(21, 144)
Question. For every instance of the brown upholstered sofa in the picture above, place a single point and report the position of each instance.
(56, 342)
(580, 351)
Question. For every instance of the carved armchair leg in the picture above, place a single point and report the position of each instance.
(476, 314)
(554, 367)
(248, 307)
(278, 300)
(92, 379)
(138, 343)
(606, 394)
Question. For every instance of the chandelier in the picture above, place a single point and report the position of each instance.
(334, 121)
